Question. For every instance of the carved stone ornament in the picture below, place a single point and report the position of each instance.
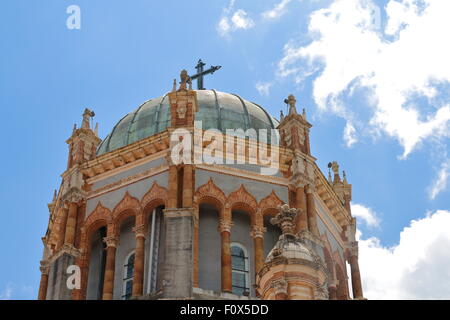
(110, 241)
(301, 135)
(139, 231)
(181, 109)
(280, 286)
(257, 231)
(288, 137)
(285, 219)
(225, 226)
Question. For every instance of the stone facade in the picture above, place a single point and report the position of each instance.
(186, 220)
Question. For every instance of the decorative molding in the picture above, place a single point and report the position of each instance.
(128, 180)
(227, 170)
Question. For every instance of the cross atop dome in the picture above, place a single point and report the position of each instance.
(201, 72)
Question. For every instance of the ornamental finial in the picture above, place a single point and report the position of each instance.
(291, 101)
(285, 219)
(335, 168)
(87, 118)
(184, 79)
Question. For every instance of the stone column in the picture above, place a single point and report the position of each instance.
(62, 231)
(280, 289)
(178, 249)
(257, 234)
(187, 186)
(332, 290)
(302, 218)
(108, 284)
(71, 224)
(356, 277)
(226, 275)
(311, 210)
(195, 249)
(82, 263)
(173, 186)
(139, 258)
(44, 282)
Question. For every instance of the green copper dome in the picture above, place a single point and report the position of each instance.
(217, 110)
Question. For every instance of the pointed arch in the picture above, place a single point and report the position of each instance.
(242, 196)
(271, 202)
(210, 193)
(328, 255)
(241, 199)
(268, 206)
(127, 207)
(100, 217)
(156, 192)
(341, 275)
(155, 196)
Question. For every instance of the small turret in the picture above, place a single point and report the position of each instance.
(342, 188)
(83, 141)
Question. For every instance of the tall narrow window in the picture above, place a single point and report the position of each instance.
(128, 273)
(240, 269)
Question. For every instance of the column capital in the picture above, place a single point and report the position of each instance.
(353, 250)
(44, 268)
(309, 188)
(333, 283)
(111, 241)
(140, 231)
(225, 225)
(257, 231)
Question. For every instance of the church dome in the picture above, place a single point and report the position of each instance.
(216, 110)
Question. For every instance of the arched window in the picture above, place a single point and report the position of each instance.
(128, 273)
(240, 269)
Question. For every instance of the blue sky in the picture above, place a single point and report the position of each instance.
(378, 101)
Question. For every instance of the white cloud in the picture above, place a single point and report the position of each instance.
(277, 11)
(350, 134)
(366, 214)
(440, 184)
(224, 26)
(233, 20)
(241, 21)
(6, 293)
(263, 88)
(416, 268)
(350, 46)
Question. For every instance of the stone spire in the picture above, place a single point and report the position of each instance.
(335, 168)
(83, 141)
(87, 115)
(292, 104)
(294, 129)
